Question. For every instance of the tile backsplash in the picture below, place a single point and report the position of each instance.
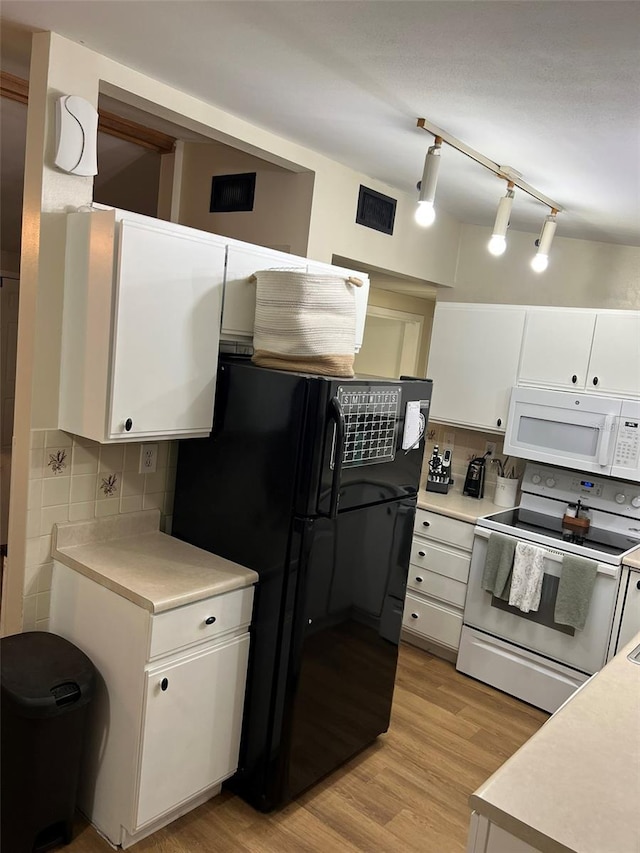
(73, 479)
(465, 445)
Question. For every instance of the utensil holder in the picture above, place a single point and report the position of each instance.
(506, 491)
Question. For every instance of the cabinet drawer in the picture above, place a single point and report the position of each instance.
(444, 529)
(439, 560)
(200, 621)
(437, 586)
(430, 620)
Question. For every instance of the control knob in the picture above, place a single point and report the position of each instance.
(550, 482)
(635, 502)
(620, 498)
(535, 479)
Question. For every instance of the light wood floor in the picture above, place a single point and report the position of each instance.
(407, 792)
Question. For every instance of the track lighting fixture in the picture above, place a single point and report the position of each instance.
(498, 241)
(540, 260)
(425, 212)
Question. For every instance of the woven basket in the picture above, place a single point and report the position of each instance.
(305, 321)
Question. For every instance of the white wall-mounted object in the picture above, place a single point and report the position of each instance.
(76, 136)
(573, 348)
(472, 361)
(164, 730)
(141, 326)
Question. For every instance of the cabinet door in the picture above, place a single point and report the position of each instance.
(166, 332)
(630, 624)
(615, 356)
(191, 729)
(243, 260)
(556, 348)
(473, 362)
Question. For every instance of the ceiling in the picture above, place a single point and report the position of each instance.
(550, 88)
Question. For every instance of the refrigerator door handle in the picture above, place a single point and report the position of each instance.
(337, 416)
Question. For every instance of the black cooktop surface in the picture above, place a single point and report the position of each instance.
(607, 541)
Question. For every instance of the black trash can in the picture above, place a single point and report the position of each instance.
(46, 685)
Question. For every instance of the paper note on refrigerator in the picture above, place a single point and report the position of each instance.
(414, 424)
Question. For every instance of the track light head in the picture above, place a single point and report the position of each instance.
(540, 260)
(498, 241)
(425, 212)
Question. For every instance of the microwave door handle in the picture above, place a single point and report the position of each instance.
(337, 416)
(606, 439)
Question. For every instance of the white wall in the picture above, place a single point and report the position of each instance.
(581, 273)
(58, 65)
(282, 202)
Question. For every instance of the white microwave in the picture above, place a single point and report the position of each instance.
(596, 434)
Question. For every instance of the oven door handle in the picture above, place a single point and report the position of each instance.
(556, 556)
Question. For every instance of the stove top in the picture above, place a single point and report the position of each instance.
(612, 507)
(597, 539)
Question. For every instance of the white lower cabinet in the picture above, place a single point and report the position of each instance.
(164, 725)
(487, 837)
(437, 581)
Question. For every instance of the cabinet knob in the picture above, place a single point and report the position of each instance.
(128, 424)
(164, 684)
(426, 524)
(499, 422)
(421, 554)
(595, 380)
(574, 379)
(419, 579)
(414, 615)
(638, 585)
(209, 620)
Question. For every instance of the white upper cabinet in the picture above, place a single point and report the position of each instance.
(243, 260)
(614, 366)
(473, 362)
(556, 347)
(141, 321)
(596, 351)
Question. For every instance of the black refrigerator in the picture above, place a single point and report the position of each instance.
(312, 482)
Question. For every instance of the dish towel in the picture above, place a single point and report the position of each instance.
(526, 580)
(574, 591)
(498, 564)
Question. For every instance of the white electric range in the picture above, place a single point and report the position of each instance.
(530, 655)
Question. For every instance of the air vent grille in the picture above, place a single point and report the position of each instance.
(376, 210)
(230, 193)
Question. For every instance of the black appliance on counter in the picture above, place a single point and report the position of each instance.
(312, 482)
(474, 480)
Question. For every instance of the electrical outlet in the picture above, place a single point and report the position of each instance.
(148, 458)
(490, 447)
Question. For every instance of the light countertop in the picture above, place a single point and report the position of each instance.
(130, 556)
(574, 787)
(456, 505)
(633, 559)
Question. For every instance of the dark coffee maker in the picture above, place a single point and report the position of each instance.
(474, 481)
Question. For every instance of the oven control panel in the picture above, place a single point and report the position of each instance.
(603, 493)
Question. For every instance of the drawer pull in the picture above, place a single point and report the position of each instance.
(419, 579)
(414, 615)
(426, 524)
(422, 554)
(164, 684)
(209, 620)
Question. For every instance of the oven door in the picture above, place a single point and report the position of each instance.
(584, 650)
(559, 428)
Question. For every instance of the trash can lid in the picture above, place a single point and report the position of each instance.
(42, 674)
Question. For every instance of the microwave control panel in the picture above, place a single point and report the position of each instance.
(627, 450)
